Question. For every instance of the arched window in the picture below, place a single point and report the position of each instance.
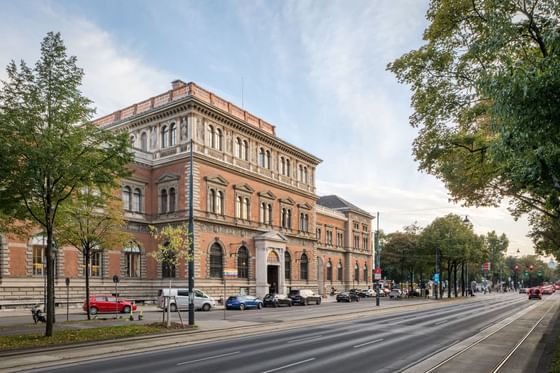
(238, 148)
(171, 199)
(339, 271)
(238, 204)
(269, 214)
(144, 141)
(329, 270)
(218, 144)
(357, 272)
(126, 198)
(220, 202)
(131, 140)
(305, 175)
(246, 207)
(303, 262)
(267, 161)
(216, 262)
(288, 167)
(173, 135)
(243, 262)
(282, 166)
(283, 217)
(212, 201)
(261, 157)
(365, 273)
(137, 200)
(245, 150)
(210, 136)
(287, 265)
(164, 201)
(164, 137)
(300, 174)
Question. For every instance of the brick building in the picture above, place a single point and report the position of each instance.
(255, 210)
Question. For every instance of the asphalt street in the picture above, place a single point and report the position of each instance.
(383, 343)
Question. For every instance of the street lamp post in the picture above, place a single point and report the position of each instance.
(377, 262)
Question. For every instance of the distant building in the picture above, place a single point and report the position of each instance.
(255, 210)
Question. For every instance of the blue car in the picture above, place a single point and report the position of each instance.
(241, 302)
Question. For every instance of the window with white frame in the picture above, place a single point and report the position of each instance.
(262, 157)
(164, 136)
(95, 262)
(245, 150)
(132, 258)
(137, 200)
(172, 134)
(144, 141)
(39, 260)
(126, 197)
(339, 238)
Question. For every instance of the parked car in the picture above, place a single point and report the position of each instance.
(180, 299)
(395, 293)
(304, 296)
(347, 296)
(369, 292)
(535, 293)
(242, 302)
(383, 292)
(557, 286)
(102, 303)
(275, 300)
(522, 290)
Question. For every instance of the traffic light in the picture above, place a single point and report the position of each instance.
(531, 267)
(539, 273)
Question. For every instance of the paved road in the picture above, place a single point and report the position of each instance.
(383, 343)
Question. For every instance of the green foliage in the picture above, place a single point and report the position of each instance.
(173, 244)
(49, 150)
(486, 88)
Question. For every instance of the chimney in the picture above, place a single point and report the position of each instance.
(177, 83)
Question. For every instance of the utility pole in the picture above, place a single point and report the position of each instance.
(191, 232)
(377, 262)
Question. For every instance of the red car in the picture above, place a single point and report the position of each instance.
(107, 304)
(535, 293)
(547, 289)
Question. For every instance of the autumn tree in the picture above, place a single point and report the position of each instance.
(486, 88)
(92, 220)
(173, 247)
(49, 150)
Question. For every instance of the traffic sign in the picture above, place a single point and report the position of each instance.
(377, 273)
(436, 278)
(486, 267)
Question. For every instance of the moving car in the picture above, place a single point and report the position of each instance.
(535, 293)
(180, 299)
(103, 303)
(275, 300)
(304, 297)
(347, 296)
(547, 289)
(242, 302)
(522, 290)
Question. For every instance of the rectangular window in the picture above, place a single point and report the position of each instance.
(38, 260)
(366, 241)
(356, 241)
(319, 234)
(132, 264)
(94, 264)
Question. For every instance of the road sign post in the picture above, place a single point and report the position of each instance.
(67, 281)
(116, 281)
(228, 273)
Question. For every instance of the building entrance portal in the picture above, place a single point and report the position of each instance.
(272, 278)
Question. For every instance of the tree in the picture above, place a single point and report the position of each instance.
(496, 247)
(173, 246)
(486, 87)
(49, 148)
(92, 219)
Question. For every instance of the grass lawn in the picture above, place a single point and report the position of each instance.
(62, 337)
(555, 366)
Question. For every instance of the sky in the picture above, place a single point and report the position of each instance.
(315, 69)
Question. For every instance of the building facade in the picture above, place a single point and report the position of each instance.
(255, 208)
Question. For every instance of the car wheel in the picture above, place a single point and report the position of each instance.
(206, 307)
(126, 309)
(338, 300)
(93, 310)
(290, 304)
(357, 299)
(173, 307)
(259, 306)
(242, 307)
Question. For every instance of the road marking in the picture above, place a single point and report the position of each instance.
(289, 365)
(208, 358)
(368, 343)
(440, 322)
(304, 339)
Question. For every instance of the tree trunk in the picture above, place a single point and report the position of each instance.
(463, 279)
(455, 279)
(49, 307)
(169, 304)
(87, 254)
(449, 270)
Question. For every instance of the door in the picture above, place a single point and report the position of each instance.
(272, 278)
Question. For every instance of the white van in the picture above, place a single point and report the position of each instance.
(180, 299)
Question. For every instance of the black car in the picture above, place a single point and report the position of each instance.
(275, 300)
(347, 296)
(359, 292)
(304, 296)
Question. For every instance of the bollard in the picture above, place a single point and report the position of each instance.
(131, 317)
(141, 315)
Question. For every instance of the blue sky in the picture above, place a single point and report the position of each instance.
(315, 69)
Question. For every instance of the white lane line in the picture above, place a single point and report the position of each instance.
(440, 322)
(289, 365)
(368, 343)
(208, 358)
(304, 339)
